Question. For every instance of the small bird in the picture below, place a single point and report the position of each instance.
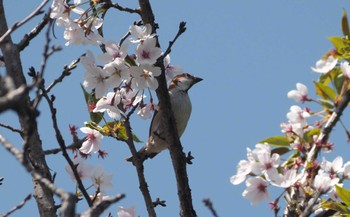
(181, 106)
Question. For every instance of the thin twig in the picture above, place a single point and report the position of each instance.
(15, 26)
(34, 32)
(61, 143)
(11, 128)
(130, 10)
(72, 146)
(207, 202)
(66, 72)
(182, 29)
(19, 206)
(68, 200)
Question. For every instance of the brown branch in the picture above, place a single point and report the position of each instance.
(99, 207)
(35, 31)
(207, 202)
(182, 29)
(11, 128)
(19, 206)
(178, 157)
(138, 163)
(32, 148)
(68, 200)
(62, 145)
(72, 146)
(129, 10)
(15, 26)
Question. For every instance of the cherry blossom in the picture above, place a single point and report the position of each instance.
(298, 115)
(256, 190)
(325, 65)
(95, 77)
(84, 170)
(101, 180)
(286, 180)
(126, 212)
(147, 52)
(346, 170)
(332, 167)
(140, 33)
(323, 182)
(300, 94)
(345, 68)
(110, 104)
(113, 51)
(146, 111)
(117, 72)
(144, 77)
(244, 167)
(171, 70)
(92, 142)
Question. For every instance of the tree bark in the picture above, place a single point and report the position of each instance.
(32, 147)
(178, 157)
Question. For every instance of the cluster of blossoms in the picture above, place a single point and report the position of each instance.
(101, 181)
(264, 167)
(120, 80)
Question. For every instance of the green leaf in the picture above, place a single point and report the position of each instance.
(339, 81)
(335, 206)
(338, 43)
(279, 141)
(324, 91)
(136, 139)
(95, 126)
(345, 24)
(326, 103)
(280, 150)
(343, 194)
(90, 101)
(308, 136)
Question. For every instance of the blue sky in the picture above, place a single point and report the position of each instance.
(249, 53)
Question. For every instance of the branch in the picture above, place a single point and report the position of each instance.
(61, 142)
(207, 202)
(15, 26)
(35, 31)
(182, 29)
(130, 10)
(72, 146)
(68, 200)
(11, 128)
(12, 95)
(19, 206)
(178, 157)
(101, 206)
(322, 139)
(138, 163)
(32, 148)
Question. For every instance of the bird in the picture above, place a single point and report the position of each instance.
(181, 107)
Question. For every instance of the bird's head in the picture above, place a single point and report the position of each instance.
(184, 82)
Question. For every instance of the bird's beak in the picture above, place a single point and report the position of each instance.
(196, 80)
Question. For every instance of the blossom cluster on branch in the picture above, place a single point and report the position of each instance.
(310, 184)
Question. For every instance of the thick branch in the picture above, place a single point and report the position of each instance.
(138, 163)
(33, 152)
(177, 155)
